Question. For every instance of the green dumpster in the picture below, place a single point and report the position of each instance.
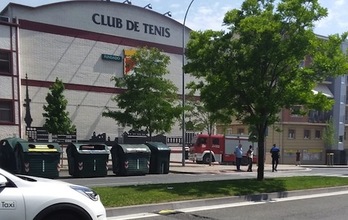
(38, 159)
(160, 158)
(7, 156)
(88, 159)
(130, 159)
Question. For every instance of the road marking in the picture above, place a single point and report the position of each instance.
(230, 205)
(167, 212)
(309, 196)
(134, 216)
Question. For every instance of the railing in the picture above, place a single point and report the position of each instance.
(178, 139)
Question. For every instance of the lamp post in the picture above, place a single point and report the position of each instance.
(28, 120)
(168, 13)
(149, 6)
(129, 2)
(183, 86)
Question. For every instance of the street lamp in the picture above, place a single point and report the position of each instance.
(168, 13)
(149, 6)
(183, 85)
(129, 2)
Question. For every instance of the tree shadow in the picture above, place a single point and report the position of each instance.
(252, 189)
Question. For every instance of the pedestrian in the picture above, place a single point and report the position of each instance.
(275, 153)
(238, 153)
(298, 158)
(250, 155)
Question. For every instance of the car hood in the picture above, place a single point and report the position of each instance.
(33, 180)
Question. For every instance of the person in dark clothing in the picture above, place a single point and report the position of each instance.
(298, 158)
(275, 153)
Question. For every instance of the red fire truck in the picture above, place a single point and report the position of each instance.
(221, 150)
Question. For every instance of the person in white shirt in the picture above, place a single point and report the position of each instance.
(238, 152)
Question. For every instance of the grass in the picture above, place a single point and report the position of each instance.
(158, 193)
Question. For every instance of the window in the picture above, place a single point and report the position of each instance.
(307, 134)
(240, 130)
(296, 111)
(317, 134)
(229, 131)
(5, 62)
(216, 141)
(6, 111)
(291, 134)
(201, 141)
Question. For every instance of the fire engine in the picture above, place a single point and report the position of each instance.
(221, 150)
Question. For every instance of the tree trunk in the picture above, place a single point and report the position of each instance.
(150, 135)
(261, 155)
(210, 145)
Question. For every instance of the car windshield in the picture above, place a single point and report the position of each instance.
(27, 178)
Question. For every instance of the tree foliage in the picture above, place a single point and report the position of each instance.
(57, 118)
(254, 68)
(148, 100)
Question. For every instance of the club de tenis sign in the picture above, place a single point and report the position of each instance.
(115, 22)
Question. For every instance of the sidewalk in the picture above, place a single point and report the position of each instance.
(193, 168)
(215, 168)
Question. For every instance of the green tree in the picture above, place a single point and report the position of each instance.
(329, 134)
(57, 118)
(148, 100)
(254, 68)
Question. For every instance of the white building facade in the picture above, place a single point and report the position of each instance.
(83, 44)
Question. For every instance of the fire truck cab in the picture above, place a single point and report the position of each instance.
(219, 148)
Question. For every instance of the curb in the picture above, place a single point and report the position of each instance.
(155, 208)
(202, 170)
(325, 166)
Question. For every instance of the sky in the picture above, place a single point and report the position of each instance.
(208, 14)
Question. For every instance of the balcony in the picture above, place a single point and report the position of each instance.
(319, 117)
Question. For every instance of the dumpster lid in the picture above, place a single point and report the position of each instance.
(134, 148)
(159, 145)
(12, 141)
(90, 148)
(39, 147)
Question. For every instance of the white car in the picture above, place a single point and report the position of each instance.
(34, 198)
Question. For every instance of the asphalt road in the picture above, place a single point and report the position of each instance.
(112, 180)
(323, 206)
(148, 210)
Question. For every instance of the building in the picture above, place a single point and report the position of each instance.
(84, 44)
